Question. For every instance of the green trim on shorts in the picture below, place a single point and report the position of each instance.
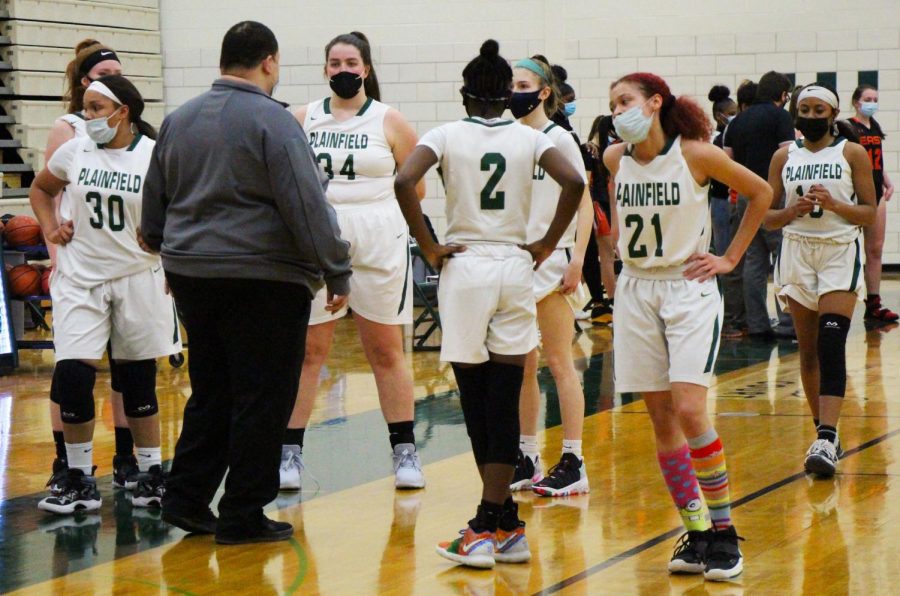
(856, 267)
(710, 360)
(405, 281)
(175, 321)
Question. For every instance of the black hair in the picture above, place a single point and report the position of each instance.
(562, 75)
(792, 105)
(131, 97)
(746, 93)
(361, 43)
(246, 45)
(720, 96)
(487, 78)
(772, 86)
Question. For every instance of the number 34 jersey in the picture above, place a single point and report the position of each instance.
(663, 214)
(354, 154)
(487, 168)
(104, 193)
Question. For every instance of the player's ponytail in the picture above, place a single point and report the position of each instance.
(360, 42)
(679, 115)
(131, 97)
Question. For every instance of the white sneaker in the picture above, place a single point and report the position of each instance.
(407, 467)
(291, 469)
(821, 458)
(582, 315)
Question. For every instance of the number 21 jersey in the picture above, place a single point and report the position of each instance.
(104, 194)
(663, 214)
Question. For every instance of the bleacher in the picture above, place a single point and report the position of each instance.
(37, 40)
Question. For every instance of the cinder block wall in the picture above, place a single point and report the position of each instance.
(421, 46)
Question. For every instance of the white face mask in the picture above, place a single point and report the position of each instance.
(99, 130)
(633, 125)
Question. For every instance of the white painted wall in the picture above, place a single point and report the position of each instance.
(421, 46)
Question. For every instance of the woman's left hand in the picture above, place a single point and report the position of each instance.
(571, 278)
(820, 195)
(888, 192)
(702, 267)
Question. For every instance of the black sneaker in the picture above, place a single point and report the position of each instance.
(723, 555)
(125, 471)
(80, 494)
(151, 486)
(602, 314)
(690, 553)
(265, 530)
(57, 482)
(568, 477)
(527, 472)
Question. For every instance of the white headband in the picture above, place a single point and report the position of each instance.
(105, 91)
(819, 93)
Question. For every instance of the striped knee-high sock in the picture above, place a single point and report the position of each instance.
(678, 472)
(708, 456)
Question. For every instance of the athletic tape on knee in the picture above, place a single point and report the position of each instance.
(138, 388)
(471, 381)
(74, 381)
(831, 348)
(504, 386)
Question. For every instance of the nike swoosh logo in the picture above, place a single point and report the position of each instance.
(157, 269)
(705, 295)
(312, 118)
(400, 234)
(467, 548)
(143, 455)
(102, 53)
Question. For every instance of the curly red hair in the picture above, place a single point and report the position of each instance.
(680, 115)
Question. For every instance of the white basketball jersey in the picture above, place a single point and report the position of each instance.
(829, 168)
(487, 168)
(104, 194)
(663, 214)
(77, 122)
(545, 190)
(354, 154)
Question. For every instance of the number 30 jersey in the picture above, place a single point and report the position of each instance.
(354, 154)
(663, 214)
(104, 193)
(487, 168)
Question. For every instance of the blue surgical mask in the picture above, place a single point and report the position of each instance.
(868, 108)
(99, 130)
(633, 125)
(569, 109)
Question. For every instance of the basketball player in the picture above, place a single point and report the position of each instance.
(829, 196)
(105, 289)
(871, 137)
(360, 143)
(92, 61)
(487, 290)
(668, 306)
(534, 96)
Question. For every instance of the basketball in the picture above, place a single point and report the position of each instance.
(24, 280)
(45, 281)
(22, 230)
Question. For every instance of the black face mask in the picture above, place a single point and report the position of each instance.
(812, 128)
(345, 84)
(522, 104)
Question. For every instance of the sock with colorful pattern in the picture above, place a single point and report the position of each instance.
(708, 457)
(678, 472)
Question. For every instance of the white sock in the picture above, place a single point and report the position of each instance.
(148, 457)
(572, 447)
(528, 445)
(81, 456)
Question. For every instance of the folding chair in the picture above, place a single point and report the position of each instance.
(426, 294)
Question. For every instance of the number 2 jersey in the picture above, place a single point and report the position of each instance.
(487, 167)
(663, 214)
(104, 194)
(829, 168)
(354, 153)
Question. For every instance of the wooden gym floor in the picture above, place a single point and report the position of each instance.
(354, 534)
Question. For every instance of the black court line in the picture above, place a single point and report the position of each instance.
(623, 556)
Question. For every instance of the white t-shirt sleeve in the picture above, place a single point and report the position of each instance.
(572, 152)
(62, 159)
(436, 140)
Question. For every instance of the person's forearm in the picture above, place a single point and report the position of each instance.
(583, 226)
(44, 208)
(757, 205)
(860, 215)
(408, 200)
(775, 219)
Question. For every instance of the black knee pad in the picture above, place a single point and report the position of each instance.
(74, 383)
(504, 386)
(473, 393)
(115, 376)
(831, 348)
(138, 388)
(54, 389)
